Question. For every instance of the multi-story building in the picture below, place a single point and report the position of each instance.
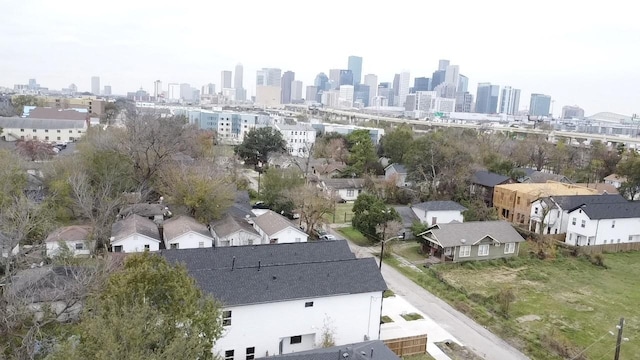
(437, 78)
(296, 90)
(346, 95)
(269, 77)
(604, 223)
(361, 94)
(173, 92)
(386, 92)
(452, 75)
(540, 105)
(322, 81)
(107, 90)
(95, 85)
(209, 89)
(403, 87)
(572, 112)
(346, 77)
(287, 78)
(445, 105)
(230, 126)
(330, 98)
(311, 94)
(463, 83)
(421, 84)
(464, 102)
(371, 80)
(446, 90)
(49, 130)
(355, 65)
(268, 95)
(509, 101)
(157, 89)
(299, 138)
(185, 92)
(425, 100)
(487, 98)
(238, 80)
(90, 103)
(225, 79)
(442, 64)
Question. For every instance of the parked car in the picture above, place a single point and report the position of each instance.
(261, 205)
(319, 232)
(327, 237)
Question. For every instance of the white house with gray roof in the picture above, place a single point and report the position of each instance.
(135, 234)
(279, 299)
(604, 223)
(277, 229)
(184, 232)
(345, 189)
(234, 231)
(299, 138)
(439, 212)
(53, 130)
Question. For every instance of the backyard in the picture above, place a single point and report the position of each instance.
(561, 307)
(343, 214)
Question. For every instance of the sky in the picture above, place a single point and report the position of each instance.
(583, 53)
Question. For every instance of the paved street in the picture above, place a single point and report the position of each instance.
(468, 332)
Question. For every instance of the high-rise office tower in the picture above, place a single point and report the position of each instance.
(321, 82)
(452, 75)
(296, 90)
(361, 93)
(442, 65)
(73, 88)
(540, 105)
(285, 85)
(238, 79)
(463, 83)
(355, 65)
(334, 78)
(269, 77)
(446, 90)
(403, 90)
(95, 85)
(487, 98)
(509, 100)
(173, 92)
(107, 90)
(437, 78)
(185, 92)
(385, 90)
(157, 88)
(346, 77)
(572, 112)
(396, 85)
(209, 89)
(464, 101)
(311, 94)
(225, 79)
(371, 80)
(33, 85)
(421, 84)
(346, 95)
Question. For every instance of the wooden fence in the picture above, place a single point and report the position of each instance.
(406, 346)
(599, 249)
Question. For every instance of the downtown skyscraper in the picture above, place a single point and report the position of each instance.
(287, 79)
(540, 105)
(487, 98)
(509, 100)
(95, 85)
(355, 65)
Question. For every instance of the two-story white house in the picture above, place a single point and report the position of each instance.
(184, 232)
(552, 213)
(343, 189)
(280, 299)
(439, 212)
(233, 231)
(277, 229)
(300, 138)
(135, 234)
(75, 237)
(601, 224)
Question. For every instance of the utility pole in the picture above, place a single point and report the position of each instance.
(384, 236)
(619, 341)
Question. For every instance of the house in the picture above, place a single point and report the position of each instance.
(475, 240)
(408, 218)
(288, 293)
(367, 350)
(55, 130)
(135, 234)
(276, 229)
(75, 237)
(299, 138)
(533, 176)
(155, 212)
(552, 212)
(326, 168)
(615, 180)
(483, 182)
(513, 201)
(439, 212)
(233, 231)
(604, 223)
(396, 173)
(344, 189)
(184, 232)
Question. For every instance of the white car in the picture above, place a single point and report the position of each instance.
(327, 237)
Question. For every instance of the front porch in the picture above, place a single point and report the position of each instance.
(436, 254)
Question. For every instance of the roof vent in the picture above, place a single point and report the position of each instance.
(464, 241)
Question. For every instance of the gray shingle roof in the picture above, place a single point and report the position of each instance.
(144, 209)
(27, 123)
(230, 224)
(271, 273)
(570, 202)
(489, 179)
(134, 224)
(599, 211)
(271, 223)
(358, 351)
(407, 215)
(181, 225)
(399, 168)
(440, 206)
(70, 233)
(344, 183)
(451, 235)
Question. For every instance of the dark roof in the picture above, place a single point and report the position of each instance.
(181, 225)
(271, 223)
(230, 224)
(144, 209)
(345, 183)
(535, 176)
(399, 168)
(45, 284)
(407, 215)
(358, 351)
(134, 224)
(52, 113)
(599, 211)
(526, 171)
(447, 205)
(573, 201)
(271, 273)
(489, 179)
(459, 234)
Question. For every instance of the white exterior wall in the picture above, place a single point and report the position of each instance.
(53, 247)
(299, 142)
(288, 235)
(53, 135)
(601, 232)
(442, 217)
(401, 179)
(238, 238)
(136, 243)
(191, 240)
(349, 194)
(555, 219)
(351, 317)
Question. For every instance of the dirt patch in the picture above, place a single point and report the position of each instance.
(457, 352)
(528, 318)
(460, 278)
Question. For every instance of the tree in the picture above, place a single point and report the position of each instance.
(505, 296)
(363, 153)
(396, 143)
(277, 184)
(368, 212)
(35, 149)
(313, 205)
(259, 143)
(148, 310)
(629, 167)
(20, 101)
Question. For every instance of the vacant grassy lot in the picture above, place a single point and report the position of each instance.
(343, 214)
(418, 357)
(355, 236)
(561, 306)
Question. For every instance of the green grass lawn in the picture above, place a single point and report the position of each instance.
(411, 316)
(385, 319)
(577, 302)
(343, 211)
(355, 236)
(418, 357)
(409, 250)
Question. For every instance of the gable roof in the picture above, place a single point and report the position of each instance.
(599, 211)
(144, 209)
(134, 224)
(489, 179)
(357, 351)
(407, 215)
(346, 183)
(570, 202)
(451, 235)
(542, 177)
(70, 233)
(231, 224)
(272, 223)
(447, 205)
(53, 113)
(181, 225)
(52, 124)
(399, 168)
(271, 273)
(615, 177)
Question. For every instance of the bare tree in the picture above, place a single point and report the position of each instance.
(313, 205)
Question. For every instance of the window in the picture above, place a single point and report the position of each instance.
(117, 248)
(21, 130)
(465, 251)
(226, 318)
(34, 130)
(70, 131)
(46, 138)
(250, 242)
(58, 131)
(201, 244)
(298, 240)
(251, 353)
(146, 247)
(296, 339)
(535, 210)
(509, 248)
(58, 137)
(46, 130)
(483, 250)
(79, 246)
(350, 192)
(573, 221)
(308, 304)
(518, 200)
(174, 246)
(613, 224)
(228, 355)
(584, 223)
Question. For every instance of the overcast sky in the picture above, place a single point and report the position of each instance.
(579, 52)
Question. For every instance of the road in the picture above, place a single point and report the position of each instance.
(472, 335)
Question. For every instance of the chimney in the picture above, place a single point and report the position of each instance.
(259, 265)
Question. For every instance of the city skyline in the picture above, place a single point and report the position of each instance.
(572, 64)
